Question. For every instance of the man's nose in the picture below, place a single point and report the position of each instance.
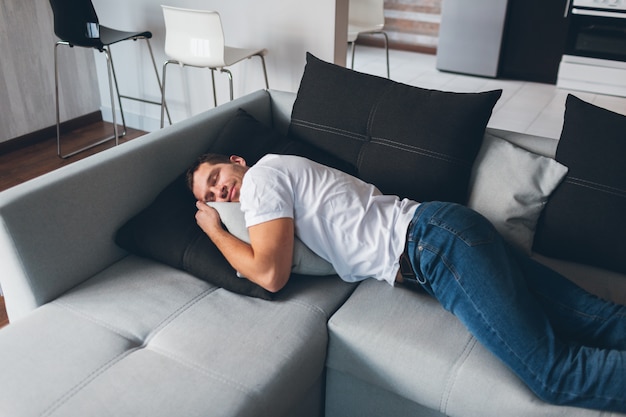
(216, 192)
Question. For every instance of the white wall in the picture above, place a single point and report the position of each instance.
(288, 29)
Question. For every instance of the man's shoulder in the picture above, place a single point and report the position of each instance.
(282, 162)
(274, 157)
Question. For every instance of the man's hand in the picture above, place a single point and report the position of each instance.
(266, 261)
(207, 218)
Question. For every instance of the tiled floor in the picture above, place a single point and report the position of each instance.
(527, 107)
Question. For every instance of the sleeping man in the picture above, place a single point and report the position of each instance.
(452, 252)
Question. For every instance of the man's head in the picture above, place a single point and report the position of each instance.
(216, 177)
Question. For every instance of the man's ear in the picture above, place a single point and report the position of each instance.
(235, 159)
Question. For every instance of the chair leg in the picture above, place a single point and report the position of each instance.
(230, 81)
(230, 78)
(58, 116)
(163, 95)
(111, 71)
(387, 51)
(163, 105)
(142, 100)
(213, 83)
(107, 51)
(223, 70)
(352, 44)
(267, 84)
(352, 48)
(156, 72)
(56, 96)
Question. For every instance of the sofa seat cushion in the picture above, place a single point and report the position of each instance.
(142, 338)
(603, 283)
(403, 342)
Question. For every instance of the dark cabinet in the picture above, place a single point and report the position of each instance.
(533, 40)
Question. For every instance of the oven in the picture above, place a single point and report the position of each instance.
(597, 29)
(595, 50)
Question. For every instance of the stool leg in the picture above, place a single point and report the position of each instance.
(163, 95)
(109, 56)
(56, 95)
(267, 84)
(387, 51)
(58, 115)
(213, 82)
(230, 81)
(156, 72)
(110, 70)
(352, 47)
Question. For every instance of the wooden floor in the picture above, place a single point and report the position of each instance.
(23, 164)
(4, 320)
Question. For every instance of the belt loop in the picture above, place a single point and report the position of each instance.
(410, 275)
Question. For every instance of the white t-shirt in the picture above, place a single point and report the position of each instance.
(342, 219)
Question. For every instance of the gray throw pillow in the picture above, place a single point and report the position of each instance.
(510, 186)
(305, 261)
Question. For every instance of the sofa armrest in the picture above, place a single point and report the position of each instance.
(58, 230)
(282, 103)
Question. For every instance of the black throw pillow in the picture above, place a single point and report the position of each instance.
(166, 230)
(584, 219)
(408, 141)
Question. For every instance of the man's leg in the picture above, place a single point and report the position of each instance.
(464, 263)
(574, 313)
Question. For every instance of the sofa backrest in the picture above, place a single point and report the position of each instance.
(58, 230)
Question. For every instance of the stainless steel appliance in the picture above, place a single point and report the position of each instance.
(516, 39)
(595, 50)
(470, 36)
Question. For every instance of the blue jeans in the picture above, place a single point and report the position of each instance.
(567, 345)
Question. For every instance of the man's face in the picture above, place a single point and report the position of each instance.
(219, 182)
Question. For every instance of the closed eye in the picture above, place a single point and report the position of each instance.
(211, 182)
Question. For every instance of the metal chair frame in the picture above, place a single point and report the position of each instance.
(113, 85)
(366, 17)
(222, 70)
(377, 32)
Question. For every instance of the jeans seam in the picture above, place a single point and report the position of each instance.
(564, 307)
(545, 387)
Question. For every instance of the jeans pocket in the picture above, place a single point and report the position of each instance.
(466, 224)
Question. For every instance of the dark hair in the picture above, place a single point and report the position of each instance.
(211, 159)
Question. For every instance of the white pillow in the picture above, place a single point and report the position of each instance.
(305, 261)
(510, 186)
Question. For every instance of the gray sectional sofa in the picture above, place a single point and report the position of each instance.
(97, 330)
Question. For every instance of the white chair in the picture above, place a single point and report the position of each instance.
(196, 38)
(366, 17)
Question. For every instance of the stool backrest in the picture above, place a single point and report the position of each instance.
(367, 12)
(76, 22)
(194, 37)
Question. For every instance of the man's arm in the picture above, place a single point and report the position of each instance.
(266, 261)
